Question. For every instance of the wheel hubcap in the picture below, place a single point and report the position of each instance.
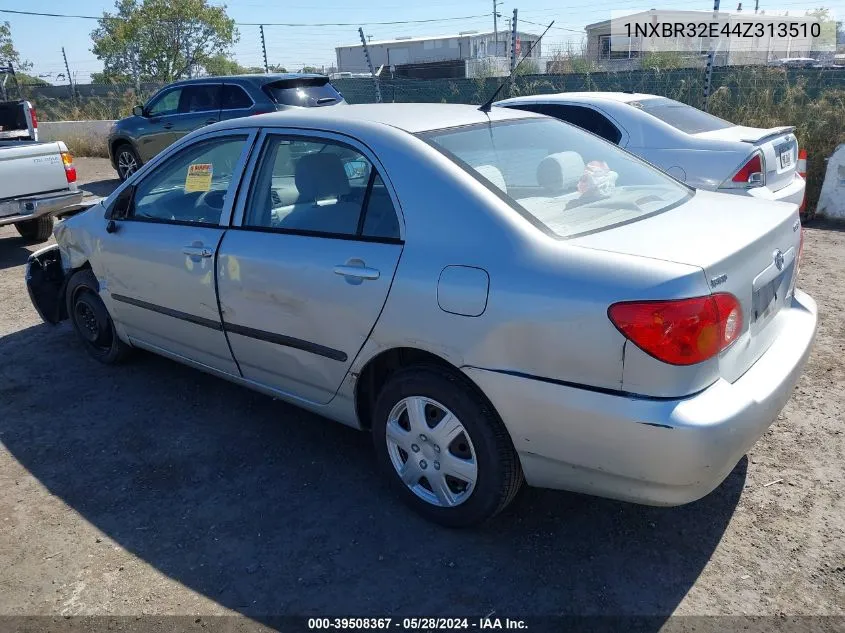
(431, 451)
(127, 164)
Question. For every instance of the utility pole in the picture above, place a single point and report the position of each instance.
(756, 6)
(711, 54)
(513, 40)
(370, 64)
(495, 28)
(264, 50)
(68, 75)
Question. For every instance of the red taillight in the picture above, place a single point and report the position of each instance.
(680, 331)
(70, 169)
(34, 118)
(751, 174)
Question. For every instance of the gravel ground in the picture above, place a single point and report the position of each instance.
(152, 488)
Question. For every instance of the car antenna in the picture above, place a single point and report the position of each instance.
(489, 103)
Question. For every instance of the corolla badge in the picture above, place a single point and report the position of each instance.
(779, 259)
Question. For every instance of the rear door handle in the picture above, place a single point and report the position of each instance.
(360, 272)
(167, 126)
(197, 251)
(210, 121)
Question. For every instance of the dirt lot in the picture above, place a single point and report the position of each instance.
(155, 489)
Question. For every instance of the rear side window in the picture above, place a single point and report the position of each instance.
(306, 92)
(681, 116)
(234, 98)
(200, 98)
(585, 118)
(319, 187)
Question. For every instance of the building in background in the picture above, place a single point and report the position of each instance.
(612, 50)
(434, 57)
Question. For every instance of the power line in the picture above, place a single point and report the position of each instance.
(294, 24)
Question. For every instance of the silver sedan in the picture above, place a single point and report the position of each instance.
(495, 297)
(695, 147)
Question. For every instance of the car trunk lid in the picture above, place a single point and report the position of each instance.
(778, 146)
(745, 247)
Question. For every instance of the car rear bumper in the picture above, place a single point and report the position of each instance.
(32, 207)
(652, 451)
(793, 192)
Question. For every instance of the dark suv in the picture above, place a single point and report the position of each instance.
(184, 106)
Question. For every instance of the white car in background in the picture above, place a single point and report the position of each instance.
(702, 150)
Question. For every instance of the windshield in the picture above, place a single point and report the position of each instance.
(681, 116)
(305, 92)
(569, 180)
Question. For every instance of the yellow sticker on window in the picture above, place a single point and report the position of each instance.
(199, 177)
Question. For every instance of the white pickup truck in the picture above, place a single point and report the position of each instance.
(37, 180)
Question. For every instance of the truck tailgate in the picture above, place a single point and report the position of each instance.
(31, 168)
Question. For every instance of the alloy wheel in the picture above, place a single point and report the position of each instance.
(126, 164)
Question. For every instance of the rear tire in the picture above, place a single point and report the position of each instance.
(127, 161)
(37, 230)
(452, 460)
(91, 319)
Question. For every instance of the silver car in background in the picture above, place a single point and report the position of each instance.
(495, 297)
(700, 149)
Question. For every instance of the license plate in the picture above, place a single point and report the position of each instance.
(764, 299)
(786, 159)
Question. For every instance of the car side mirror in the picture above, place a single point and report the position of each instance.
(138, 110)
(120, 208)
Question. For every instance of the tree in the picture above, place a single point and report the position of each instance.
(9, 55)
(162, 40)
(309, 69)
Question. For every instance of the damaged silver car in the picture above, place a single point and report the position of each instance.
(496, 297)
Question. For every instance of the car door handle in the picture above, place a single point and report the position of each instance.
(361, 272)
(167, 126)
(197, 251)
(210, 121)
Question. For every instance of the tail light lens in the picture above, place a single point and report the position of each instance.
(680, 331)
(751, 174)
(34, 118)
(70, 169)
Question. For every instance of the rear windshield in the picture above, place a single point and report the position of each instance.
(681, 116)
(308, 92)
(567, 181)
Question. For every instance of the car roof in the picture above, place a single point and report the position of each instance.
(584, 97)
(260, 79)
(410, 117)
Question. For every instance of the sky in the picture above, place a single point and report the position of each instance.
(40, 39)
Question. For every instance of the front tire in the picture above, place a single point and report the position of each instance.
(127, 161)
(37, 230)
(443, 447)
(91, 319)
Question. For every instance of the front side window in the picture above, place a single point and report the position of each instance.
(557, 175)
(192, 186)
(318, 186)
(588, 119)
(167, 103)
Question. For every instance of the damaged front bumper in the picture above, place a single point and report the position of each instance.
(45, 283)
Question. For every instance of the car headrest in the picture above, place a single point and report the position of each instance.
(560, 173)
(319, 176)
(494, 175)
